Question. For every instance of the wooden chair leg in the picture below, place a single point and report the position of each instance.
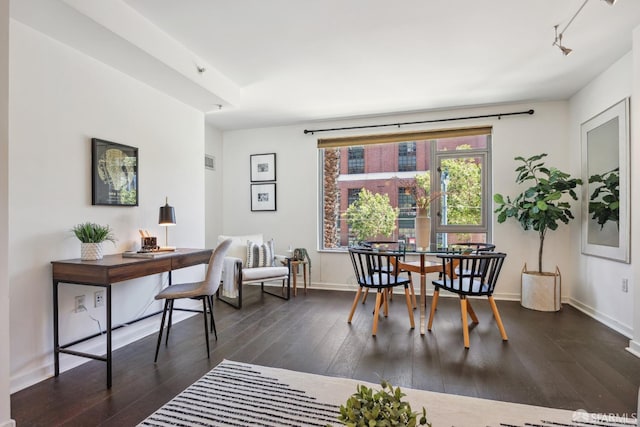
(496, 314)
(409, 307)
(413, 292)
(355, 303)
(465, 325)
(385, 302)
(364, 296)
(376, 313)
(472, 313)
(434, 304)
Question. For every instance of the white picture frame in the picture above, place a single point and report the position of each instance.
(605, 157)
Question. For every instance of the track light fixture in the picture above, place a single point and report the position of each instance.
(558, 39)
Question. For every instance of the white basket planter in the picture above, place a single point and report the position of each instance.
(541, 291)
(91, 251)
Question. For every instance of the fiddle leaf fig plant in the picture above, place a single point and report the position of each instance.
(369, 407)
(604, 202)
(371, 215)
(542, 206)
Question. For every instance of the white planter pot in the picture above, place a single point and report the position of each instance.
(541, 291)
(91, 251)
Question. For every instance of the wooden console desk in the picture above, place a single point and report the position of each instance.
(105, 272)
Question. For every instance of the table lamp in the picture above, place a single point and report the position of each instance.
(167, 218)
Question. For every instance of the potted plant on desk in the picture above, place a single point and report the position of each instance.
(540, 207)
(91, 236)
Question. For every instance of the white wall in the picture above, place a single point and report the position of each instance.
(59, 100)
(296, 220)
(213, 187)
(597, 289)
(634, 344)
(5, 411)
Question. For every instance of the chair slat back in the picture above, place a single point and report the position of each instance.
(472, 274)
(375, 269)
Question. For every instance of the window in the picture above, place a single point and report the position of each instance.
(453, 164)
(356, 160)
(406, 156)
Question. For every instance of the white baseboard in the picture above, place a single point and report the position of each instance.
(9, 423)
(625, 330)
(634, 348)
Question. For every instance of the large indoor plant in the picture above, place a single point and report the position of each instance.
(371, 216)
(91, 236)
(541, 206)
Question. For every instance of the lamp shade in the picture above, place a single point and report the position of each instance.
(167, 215)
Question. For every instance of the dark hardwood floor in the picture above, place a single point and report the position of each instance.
(562, 360)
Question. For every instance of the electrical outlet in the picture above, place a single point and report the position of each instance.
(80, 304)
(625, 285)
(98, 298)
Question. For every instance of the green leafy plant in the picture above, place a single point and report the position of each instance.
(542, 206)
(369, 407)
(89, 232)
(604, 202)
(371, 215)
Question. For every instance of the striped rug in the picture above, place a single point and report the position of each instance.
(240, 394)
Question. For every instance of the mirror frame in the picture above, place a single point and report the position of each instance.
(620, 252)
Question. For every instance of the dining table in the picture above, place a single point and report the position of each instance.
(424, 266)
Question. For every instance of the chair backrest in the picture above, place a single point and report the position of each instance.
(212, 279)
(476, 247)
(375, 269)
(471, 274)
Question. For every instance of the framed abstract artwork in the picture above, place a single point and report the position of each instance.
(263, 197)
(114, 174)
(263, 167)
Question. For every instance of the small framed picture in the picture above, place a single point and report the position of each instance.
(263, 197)
(263, 167)
(114, 174)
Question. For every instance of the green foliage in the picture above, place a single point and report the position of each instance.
(371, 215)
(464, 190)
(540, 207)
(380, 408)
(604, 202)
(90, 232)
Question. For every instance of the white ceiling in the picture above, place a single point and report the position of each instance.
(274, 62)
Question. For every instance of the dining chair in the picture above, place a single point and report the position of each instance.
(474, 248)
(375, 270)
(401, 248)
(204, 290)
(480, 276)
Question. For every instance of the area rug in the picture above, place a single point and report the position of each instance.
(240, 394)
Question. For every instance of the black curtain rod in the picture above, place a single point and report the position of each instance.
(498, 115)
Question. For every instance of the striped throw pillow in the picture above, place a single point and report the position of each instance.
(260, 255)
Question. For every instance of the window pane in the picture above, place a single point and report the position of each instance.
(356, 160)
(399, 169)
(461, 187)
(407, 156)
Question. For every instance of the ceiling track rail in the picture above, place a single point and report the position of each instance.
(498, 115)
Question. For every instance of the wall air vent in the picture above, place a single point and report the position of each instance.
(209, 162)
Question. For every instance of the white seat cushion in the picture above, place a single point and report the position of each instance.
(264, 273)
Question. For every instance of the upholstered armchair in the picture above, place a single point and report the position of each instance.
(252, 260)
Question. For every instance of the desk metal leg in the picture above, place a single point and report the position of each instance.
(56, 337)
(108, 297)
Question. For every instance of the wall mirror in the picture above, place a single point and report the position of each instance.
(605, 188)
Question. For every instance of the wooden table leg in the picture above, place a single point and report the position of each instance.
(423, 300)
(304, 273)
(295, 276)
